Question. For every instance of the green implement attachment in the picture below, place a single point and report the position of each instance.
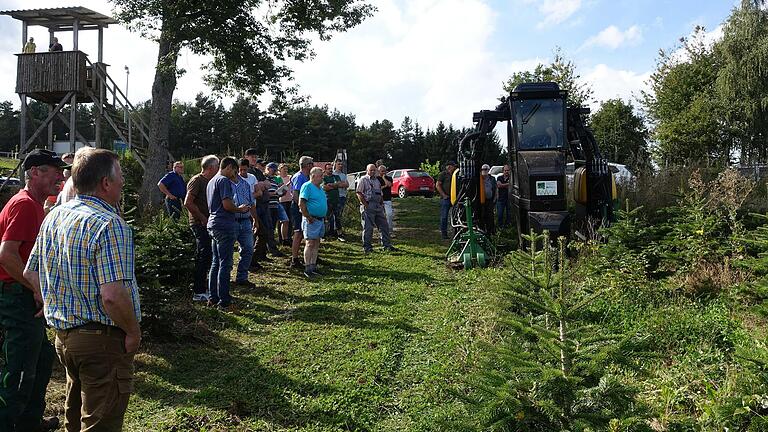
(471, 247)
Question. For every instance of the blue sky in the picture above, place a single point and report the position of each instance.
(433, 59)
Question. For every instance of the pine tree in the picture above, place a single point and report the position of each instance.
(554, 371)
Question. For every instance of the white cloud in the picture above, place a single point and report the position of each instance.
(555, 11)
(411, 60)
(610, 83)
(707, 38)
(612, 37)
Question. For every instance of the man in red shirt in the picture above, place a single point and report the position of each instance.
(28, 353)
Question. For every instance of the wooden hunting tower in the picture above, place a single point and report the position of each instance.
(61, 78)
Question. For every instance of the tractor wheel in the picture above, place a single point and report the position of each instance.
(402, 193)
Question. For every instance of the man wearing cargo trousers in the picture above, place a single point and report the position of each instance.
(83, 264)
(28, 353)
(372, 210)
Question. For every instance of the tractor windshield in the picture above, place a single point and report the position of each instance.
(539, 123)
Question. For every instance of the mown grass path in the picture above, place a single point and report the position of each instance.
(375, 344)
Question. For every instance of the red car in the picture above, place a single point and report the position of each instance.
(407, 182)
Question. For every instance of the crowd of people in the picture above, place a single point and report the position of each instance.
(67, 260)
(495, 210)
(258, 207)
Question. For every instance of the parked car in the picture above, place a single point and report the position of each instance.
(13, 181)
(352, 179)
(407, 182)
(496, 170)
(621, 173)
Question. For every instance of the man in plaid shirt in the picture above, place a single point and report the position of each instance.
(83, 263)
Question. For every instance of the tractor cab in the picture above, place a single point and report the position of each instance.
(538, 145)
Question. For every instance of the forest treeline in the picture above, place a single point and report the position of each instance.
(706, 104)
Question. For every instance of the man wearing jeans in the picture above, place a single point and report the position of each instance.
(243, 195)
(338, 211)
(444, 189)
(173, 187)
(386, 193)
(503, 207)
(196, 203)
(223, 230)
(83, 262)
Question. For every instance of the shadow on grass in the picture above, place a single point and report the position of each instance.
(227, 378)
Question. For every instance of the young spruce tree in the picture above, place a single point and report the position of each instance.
(553, 370)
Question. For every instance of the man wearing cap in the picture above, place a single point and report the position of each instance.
(503, 206)
(443, 187)
(277, 189)
(28, 353)
(486, 211)
(265, 238)
(297, 181)
(174, 188)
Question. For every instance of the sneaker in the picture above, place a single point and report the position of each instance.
(49, 424)
(255, 267)
(200, 297)
(295, 263)
(316, 273)
(368, 251)
(277, 254)
(390, 249)
(341, 239)
(309, 274)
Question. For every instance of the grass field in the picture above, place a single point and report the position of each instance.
(376, 344)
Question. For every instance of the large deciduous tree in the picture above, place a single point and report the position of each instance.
(683, 107)
(248, 41)
(562, 71)
(742, 82)
(622, 134)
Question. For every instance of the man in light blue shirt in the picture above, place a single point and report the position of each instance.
(314, 206)
(297, 181)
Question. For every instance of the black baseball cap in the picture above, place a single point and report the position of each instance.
(451, 162)
(260, 161)
(40, 157)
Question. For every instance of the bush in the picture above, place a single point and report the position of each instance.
(165, 252)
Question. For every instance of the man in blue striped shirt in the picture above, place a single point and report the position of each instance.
(83, 263)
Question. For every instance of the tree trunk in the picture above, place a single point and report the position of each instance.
(159, 122)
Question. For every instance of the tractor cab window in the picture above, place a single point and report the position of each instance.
(539, 123)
